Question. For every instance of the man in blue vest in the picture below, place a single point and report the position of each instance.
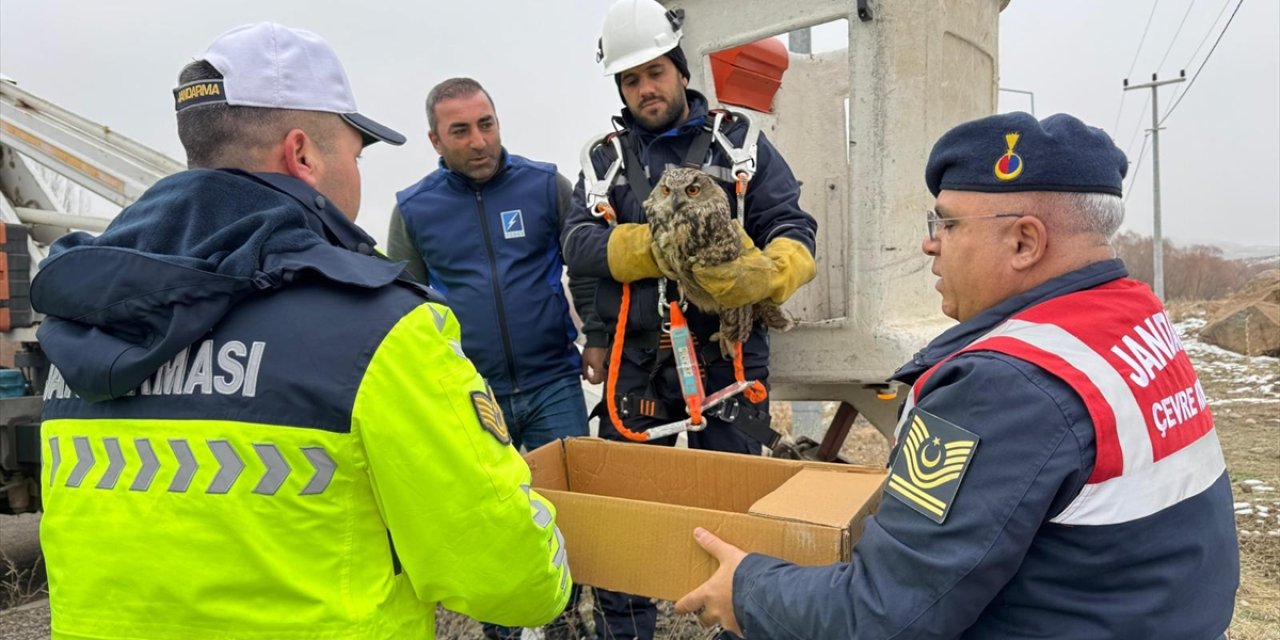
(1056, 472)
(484, 230)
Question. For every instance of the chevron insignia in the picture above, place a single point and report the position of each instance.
(931, 464)
(229, 465)
(490, 414)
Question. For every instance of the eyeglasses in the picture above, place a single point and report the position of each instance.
(932, 219)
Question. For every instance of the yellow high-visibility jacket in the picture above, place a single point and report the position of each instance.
(323, 462)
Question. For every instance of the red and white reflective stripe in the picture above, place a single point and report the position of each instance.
(905, 416)
(919, 384)
(1144, 487)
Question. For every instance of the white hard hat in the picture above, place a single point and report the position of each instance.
(635, 32)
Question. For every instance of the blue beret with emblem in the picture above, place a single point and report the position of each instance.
(1015, 152)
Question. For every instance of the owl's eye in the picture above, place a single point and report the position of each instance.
(692, 190)
(666, 191)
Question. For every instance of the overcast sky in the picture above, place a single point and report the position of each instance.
(116, 62)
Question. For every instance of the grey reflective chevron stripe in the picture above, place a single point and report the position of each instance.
(147, 472)
(55, 459)
(561, 557)
(277, 469)
(229, 469)
(440, 324)
(440, 317)
(324, 465)
(230, 466)
(84, 461)
(543, 516)
(186, 465)
(115, 464)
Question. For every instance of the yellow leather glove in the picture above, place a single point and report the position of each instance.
(630, 253)
(773, 274)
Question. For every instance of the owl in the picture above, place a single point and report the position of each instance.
(690, 220)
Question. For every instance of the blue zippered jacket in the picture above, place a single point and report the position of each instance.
(998, 567)
(494, 250)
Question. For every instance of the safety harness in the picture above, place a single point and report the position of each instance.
(675, 331)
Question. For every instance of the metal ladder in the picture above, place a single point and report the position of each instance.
(88, 154)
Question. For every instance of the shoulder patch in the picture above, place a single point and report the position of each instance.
(490, 415)
(931, 464)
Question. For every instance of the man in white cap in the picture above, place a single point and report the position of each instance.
(237, 437)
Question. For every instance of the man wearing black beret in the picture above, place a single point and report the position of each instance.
(1056, 472)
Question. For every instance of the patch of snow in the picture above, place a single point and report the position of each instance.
(1190, 324)
(1222, 401)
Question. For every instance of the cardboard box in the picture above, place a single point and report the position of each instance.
(627, 511)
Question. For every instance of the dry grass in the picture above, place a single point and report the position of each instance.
(19, 586)
(1257, 615)
(1244, 395)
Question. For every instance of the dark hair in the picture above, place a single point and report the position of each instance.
(450, 89)
(221, 135)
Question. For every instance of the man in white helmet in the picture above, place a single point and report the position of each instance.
(666, 124)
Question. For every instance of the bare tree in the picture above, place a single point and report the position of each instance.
(1198, 272)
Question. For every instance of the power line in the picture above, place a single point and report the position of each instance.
(1154, 4)
(1137, 128)
(1133, 173)
(1203, 62)
(1115, 127)
(1176, 33)
(1207, 33)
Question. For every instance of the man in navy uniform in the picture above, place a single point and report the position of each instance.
(1056, 472)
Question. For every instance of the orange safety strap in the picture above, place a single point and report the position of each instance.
(756, 393)
(615, 362)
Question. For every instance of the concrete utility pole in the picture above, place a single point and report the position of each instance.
(1157, 236)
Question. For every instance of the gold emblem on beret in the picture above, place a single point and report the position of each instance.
(1009, 166)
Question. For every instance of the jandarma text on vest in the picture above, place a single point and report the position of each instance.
(228, 369)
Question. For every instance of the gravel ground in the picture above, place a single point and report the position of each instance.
(26, 622)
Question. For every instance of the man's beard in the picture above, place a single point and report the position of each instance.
(668, 118)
